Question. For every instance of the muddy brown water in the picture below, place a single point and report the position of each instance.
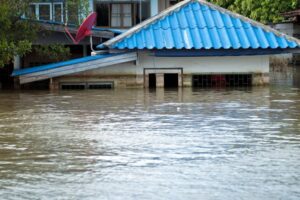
(159, 144)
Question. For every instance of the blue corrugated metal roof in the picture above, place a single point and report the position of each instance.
(59, 64)
(196, 24)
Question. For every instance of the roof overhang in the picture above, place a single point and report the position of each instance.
(74, 66)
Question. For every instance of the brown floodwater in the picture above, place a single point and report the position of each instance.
(160, 144)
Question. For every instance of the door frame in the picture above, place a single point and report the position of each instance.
(160, 75)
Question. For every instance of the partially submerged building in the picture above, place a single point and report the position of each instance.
(193, 43)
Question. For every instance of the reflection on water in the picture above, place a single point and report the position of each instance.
(136, 144)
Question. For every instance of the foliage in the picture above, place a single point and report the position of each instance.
(265, 11)
(17, 35)
(54, 52)
(77, 10)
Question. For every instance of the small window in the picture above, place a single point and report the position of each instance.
(32, 11)
(58, 12)
(121, 15)
(44, 12)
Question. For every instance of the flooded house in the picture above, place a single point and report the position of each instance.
(192, 43)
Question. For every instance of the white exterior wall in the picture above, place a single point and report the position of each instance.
(131, 74)
(154, 7)
(191, 65)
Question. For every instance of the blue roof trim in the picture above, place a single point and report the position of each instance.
(116, 31)
(216, 52)
(60, 64)
(196, 24)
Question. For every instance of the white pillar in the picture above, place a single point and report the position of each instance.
(91, 5)
(154, 7)
(17, 65)
(17, 62)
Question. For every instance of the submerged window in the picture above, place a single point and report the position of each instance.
(72, 86)
(222, 80)
(88, 85)
(102, 85)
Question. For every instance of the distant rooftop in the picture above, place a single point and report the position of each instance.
(292, 16)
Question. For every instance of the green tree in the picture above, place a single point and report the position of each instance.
(17, 35)
(265, 11)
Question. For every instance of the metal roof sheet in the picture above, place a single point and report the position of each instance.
(197, 24)
(60, 64)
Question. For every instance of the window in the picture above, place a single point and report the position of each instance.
(102, 14)
(40, 11)
(121, 15)
(127, 15)
(116, 15)
(44, 11)
(142, 11)
(58, 12)
(32, 12)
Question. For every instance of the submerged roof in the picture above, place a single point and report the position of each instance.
(72, 66)
(197, 24)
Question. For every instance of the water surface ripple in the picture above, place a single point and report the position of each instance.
(139, 144)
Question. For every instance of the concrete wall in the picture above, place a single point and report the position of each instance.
(292, 30)
(131, 74)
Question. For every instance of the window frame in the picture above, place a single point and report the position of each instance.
(132, 7)
(61, 12)
(37, 10)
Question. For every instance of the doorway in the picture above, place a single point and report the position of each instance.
(163, 77)
(152, 80)
(171, 80)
